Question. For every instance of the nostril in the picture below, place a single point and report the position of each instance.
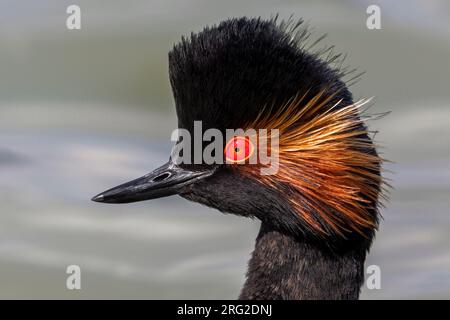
(161, 177)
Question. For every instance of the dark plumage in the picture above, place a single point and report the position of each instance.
(227, 76)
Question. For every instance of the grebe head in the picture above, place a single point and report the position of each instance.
(256, 74)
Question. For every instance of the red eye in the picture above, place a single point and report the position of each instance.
(238, 149)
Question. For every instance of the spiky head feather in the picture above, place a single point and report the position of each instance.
(328, 161)
(252, 73)
(225, 74)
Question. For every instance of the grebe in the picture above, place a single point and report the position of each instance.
(319, 211)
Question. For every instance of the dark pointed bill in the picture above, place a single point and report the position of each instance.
(165, 181)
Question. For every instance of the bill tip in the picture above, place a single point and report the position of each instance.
(98, 198)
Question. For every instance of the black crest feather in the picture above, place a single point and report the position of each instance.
(225, 74)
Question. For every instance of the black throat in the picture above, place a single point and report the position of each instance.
(285, 267)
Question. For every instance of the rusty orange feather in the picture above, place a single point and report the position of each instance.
(327, 160)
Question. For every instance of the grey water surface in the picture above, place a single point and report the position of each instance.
(82, 112)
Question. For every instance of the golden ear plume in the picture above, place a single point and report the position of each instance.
(328, 161)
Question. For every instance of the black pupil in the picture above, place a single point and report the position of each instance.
(236, 149)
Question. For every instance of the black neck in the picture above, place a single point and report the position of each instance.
(284, 267)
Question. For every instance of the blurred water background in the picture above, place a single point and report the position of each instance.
(81, 111)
